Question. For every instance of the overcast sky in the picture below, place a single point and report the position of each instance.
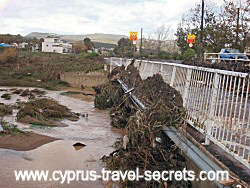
(90, 16)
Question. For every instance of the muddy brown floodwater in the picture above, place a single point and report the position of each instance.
(95, 132)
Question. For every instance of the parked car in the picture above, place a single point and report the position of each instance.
(232, 54)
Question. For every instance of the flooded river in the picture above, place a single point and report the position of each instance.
(95, 132)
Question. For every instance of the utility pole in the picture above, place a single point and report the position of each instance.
(134, 47)
(237, 27)
(201, 28)
(141, 44)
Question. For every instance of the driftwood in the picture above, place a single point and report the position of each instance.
(145, 145)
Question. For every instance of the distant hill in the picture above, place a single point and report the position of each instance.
(105, 45)
(97, 37)
(37, 35)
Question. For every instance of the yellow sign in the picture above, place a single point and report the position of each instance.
(191, 38)
(133, 35)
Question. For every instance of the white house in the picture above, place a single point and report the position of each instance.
(36, 48)
(54, 44)
(23, 45)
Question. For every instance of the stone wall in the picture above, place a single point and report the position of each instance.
(81, 79)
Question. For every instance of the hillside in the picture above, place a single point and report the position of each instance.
(105, 45)
(37, 35)
(96, 37)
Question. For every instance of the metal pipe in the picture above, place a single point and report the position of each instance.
(132, 97)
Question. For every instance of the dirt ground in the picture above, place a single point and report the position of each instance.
(24, 142)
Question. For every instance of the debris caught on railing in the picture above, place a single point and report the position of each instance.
(145, 145)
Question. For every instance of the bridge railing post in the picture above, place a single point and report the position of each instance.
(187, 85)
(151, 70)
(205, 57)
(173, 76)
(210, 122)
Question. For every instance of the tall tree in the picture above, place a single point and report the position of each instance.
(125, 47)
(220, 26)
(149, 44)
(181, 35)
(89, 44)
(161, 35)
(18, 39)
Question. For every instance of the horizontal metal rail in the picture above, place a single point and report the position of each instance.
(193, 152)
(217, 56)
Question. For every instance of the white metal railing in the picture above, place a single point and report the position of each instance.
(217, 57)
(217, 102)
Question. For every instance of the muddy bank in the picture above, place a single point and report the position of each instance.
(144, 145)
(85, 94)
(24, 142)
(95, 132)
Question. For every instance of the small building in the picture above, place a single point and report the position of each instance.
(23, 45)
(54, 44)
(35, 48)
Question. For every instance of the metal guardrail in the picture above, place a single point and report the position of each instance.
(114, 61)
(216, 57)
(217, 102)
(191, 151)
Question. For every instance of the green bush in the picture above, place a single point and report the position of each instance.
(89, 55)
(188, 54)
(164, 55)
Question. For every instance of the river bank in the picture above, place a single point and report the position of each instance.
(24, 142)
(94, 131)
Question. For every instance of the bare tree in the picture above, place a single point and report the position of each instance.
(149, 44)
(161, 35)
(79, 47)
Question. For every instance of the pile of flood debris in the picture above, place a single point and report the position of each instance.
(23, 93)
(44, 112)
(28, 92)
(5, 109)
(144, 146)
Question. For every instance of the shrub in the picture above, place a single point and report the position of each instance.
(8, 55)
(89, 55)
(188, 54)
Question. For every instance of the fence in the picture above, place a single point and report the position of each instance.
(217, 102)
(216, 57)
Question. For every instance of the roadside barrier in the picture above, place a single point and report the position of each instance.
(217, 101)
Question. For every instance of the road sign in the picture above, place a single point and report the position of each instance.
(191, 38)
(133, 35)
(134, 42)
(190, 45)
